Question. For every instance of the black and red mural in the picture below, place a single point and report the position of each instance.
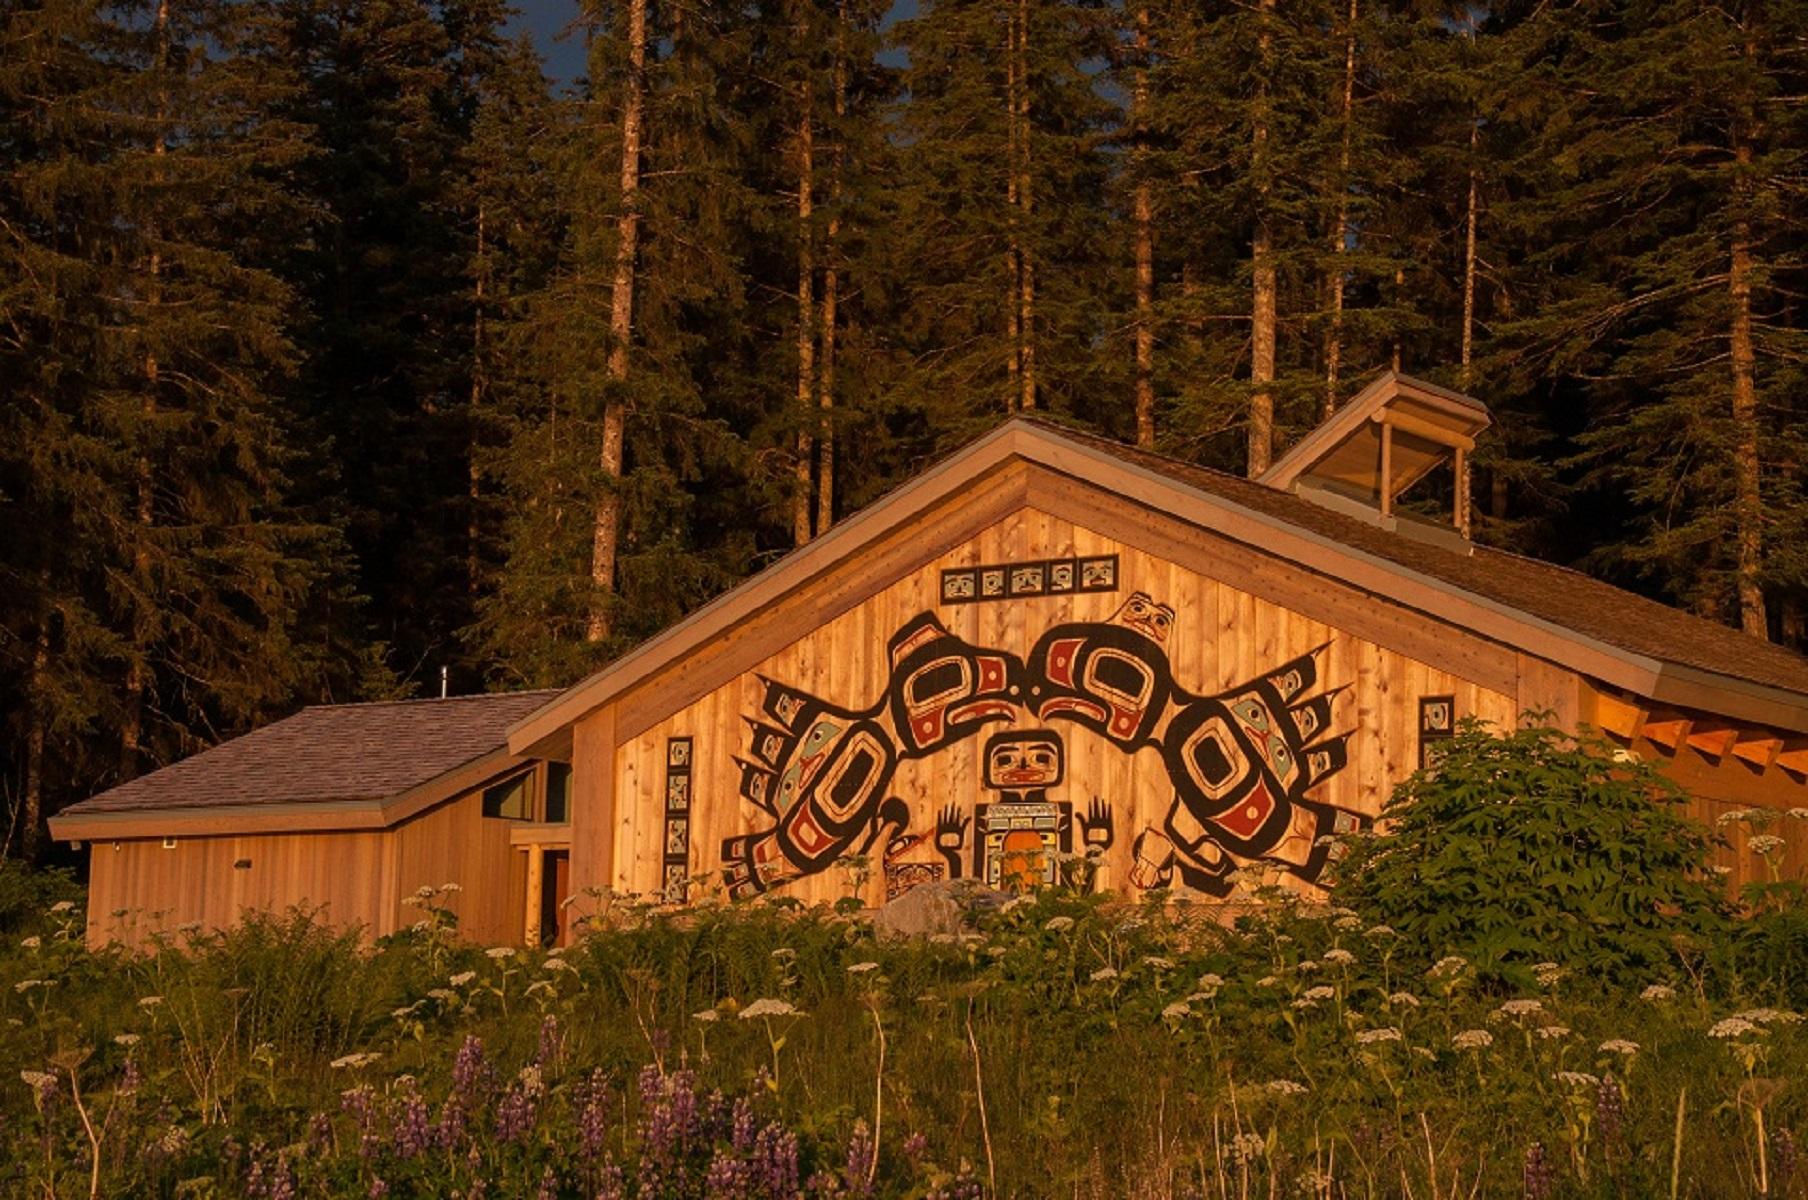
(1240, 763)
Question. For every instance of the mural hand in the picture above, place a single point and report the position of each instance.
(1097, 827)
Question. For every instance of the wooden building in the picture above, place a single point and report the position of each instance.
(1051, 645)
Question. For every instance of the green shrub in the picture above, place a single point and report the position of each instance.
(1770, 948)
(26, 894)
(1536, 847)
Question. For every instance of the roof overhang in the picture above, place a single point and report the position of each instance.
(324, 816)
(1039, 447)
(1342, 454)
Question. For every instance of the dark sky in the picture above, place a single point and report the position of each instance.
(564, 55)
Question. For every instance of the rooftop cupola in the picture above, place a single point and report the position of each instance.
(1391, 436)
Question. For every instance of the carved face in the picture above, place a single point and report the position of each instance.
(1017, 761)
(1147, 616)
(943, 688)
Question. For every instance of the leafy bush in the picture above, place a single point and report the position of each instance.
(25, 894)
(1535, 847)
(1770, 948)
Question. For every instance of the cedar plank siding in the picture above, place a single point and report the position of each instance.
(1224, 634)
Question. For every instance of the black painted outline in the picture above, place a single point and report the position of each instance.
(1009, 582)
(680, 761)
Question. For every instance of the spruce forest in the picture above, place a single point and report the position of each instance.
(339, 344)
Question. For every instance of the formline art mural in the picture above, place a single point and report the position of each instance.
(1239, 763)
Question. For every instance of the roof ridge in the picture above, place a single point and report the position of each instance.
(402, 700)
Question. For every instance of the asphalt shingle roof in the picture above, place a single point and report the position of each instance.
(331, 752)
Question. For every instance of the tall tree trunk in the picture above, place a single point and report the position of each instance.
(831, 290)
(473, 469)
(1468, 352)
(131, 728)
(1262, 272)
(1013, 221)
(30, 817)
(1026, 321)
(1399, 298)
(606, 534)
(1340, 226)
(1748, 508)
(1144, 216)
(807, 417)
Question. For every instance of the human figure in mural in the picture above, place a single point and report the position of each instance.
(1240, 762)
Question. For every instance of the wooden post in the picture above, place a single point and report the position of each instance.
(536, 873)
(1387, 469)
(1460, 515)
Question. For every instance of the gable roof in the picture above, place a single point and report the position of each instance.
(1551, 612)
(341, 763)
(1342, 450)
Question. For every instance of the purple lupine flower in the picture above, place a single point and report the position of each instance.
(964, 1188)
(549, 1185)
(552, 1042)
(255, 1185)
(593, 1116)
(742, 1128)
(515, 1114)
(859, 1161)
(411, 1128)
(320, 1134)
(610, 1184)
(728, 1178)
(378, 1189)
(472, 1076)
(1538, 1178)
(1786, 1159)
(282, 1179)
(775, 1161)
(449, 1130)
(916, 1146)
(130, 1079)
(361, 1103)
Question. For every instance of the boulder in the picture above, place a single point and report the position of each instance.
(947, 906)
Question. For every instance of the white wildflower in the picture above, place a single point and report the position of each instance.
(1525, 1006)
(768, 1007)
(1619, 1046)
(1267, 981)
(1285, 1087)
(1104, 973)
(500, 952)
(1769, 1016)
(1058, 924)
(1656, 992)
(861, 968)
(1380, 931)
(1347, 923)
(1548, 973)
(451, 888)
(1339, 955)
(1156, 962)
(1800, 814)
(1577, 1079)
(1211, 982)
(38, 1080)
(1733, 1027)
(557, 964)
(784, 952)
(443, 995)
(1308, 966)
(1549, 1032)
(462, 978)
(149, 1001)
(1387, 1033)
(1177, 1010)
(63, 906)
(1450, 964)
(32, 943)
(1403, 1000)
(128, 1040)
(707, 1016)
(1472, 1039)
(1731, 815)
(26, 985)
(354, 1061)
(1764, 843)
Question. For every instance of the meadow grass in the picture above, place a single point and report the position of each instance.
(1073, 1047)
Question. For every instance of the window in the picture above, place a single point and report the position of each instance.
(512, 799)
(558, 792)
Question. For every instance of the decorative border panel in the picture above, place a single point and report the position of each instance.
(1037, 577)
(676, 875)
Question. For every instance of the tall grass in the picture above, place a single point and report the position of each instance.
(1074, 1047)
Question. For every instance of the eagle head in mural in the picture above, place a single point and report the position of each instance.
(1241, 763)
(943, 689)
(1111, 676)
